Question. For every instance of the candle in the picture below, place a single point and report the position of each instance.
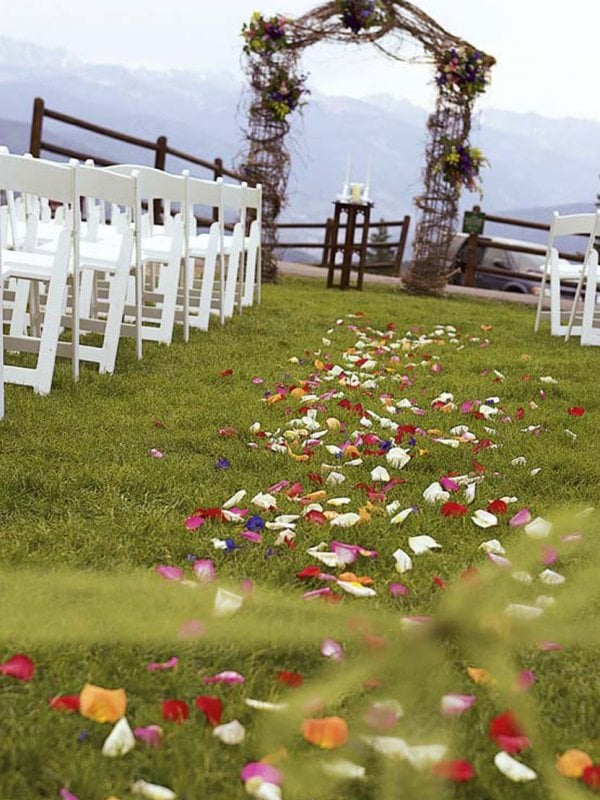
(367, 183)
(346, 186)
(356, 194)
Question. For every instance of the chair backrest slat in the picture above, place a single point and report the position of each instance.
(35, 177)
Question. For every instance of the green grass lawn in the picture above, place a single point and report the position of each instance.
(80, 492)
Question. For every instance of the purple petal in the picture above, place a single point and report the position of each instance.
(398, 590)
(526, 679)
(150, 735)
(449, 485)
(346, 553)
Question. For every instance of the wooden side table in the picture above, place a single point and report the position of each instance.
(350, 248)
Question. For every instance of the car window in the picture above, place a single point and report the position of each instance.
(496, 258)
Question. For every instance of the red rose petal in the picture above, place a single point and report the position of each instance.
(457, 770)
(18, 666)
(453, 510)
(508, 733)
(497, 507)
(591, 776)
(294, 679)
(211, 707)
(175, 711)
(65, 702)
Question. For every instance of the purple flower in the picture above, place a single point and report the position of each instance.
(255, 523)
(223, 463)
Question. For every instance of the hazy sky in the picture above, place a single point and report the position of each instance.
(547, 52)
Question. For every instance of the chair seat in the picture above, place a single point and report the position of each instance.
(18, 264)
(199, 244)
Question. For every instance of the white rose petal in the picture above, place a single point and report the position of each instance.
(492, 546)
(548, 379)
(120, 740)
(226, 603)
(538, 528)
(518, 611)
(401, 516)
(264, 500)
(152, 791)
(357, 589)
(325, 556)
(391, 746)
(345, 520)
(403, 561)
(425, 755)
(435, 494)
(552, 578)
(397, 457)
(423, 544)
(380, 474)
(339, 501)
(231, 732)
(263, 705)
(235, 499)
(265, 791)
(522, 576)
(335, 477)
(342, 768)
(484, 519)
(512, 769)
(519, 461)
(469, 493)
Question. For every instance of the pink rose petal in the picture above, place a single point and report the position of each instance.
(227, 676)
(151, 735)
(548, 555)
(266, 773)
(155, 666)
(169, 573)
(18, 666)
(194, 522)
(204, 570)
(398, 590)
(449, 485)
(191, 629)
(550, 646)
(251, 536)
(332, 649)
(499, 561)
(522, 517)
(525, 680)
(65, 794)
(456, 704)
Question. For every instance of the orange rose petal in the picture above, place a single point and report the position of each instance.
(481, 676)
(102, 705)
(327, 733)
(572, 763)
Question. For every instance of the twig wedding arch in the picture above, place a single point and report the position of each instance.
(272, 48)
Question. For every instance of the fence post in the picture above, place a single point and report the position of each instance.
(37, 121)
(471, 261)
(218, 173)
(401, 245)
(160, 161)
(327, 243)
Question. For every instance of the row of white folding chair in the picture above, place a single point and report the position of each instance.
(28, 270)
(558, 271)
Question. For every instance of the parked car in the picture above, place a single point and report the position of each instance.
(514, 266)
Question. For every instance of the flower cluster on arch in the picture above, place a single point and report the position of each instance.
(265, 36)
(358, 15)
(461, 164)
(284, 93)
(463, 71)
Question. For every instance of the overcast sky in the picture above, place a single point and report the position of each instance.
(547, 58)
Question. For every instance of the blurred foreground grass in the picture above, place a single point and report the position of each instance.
(86, 513)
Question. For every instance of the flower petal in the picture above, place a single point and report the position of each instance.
(119, 741)
(512, 769)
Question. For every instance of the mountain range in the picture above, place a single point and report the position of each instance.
(536, 163)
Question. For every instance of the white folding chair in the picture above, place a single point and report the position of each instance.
(559, 270)
(589, 277)
(252, 263)
(159, 244)
(202, 197)
(101, 306)
(56, 182)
